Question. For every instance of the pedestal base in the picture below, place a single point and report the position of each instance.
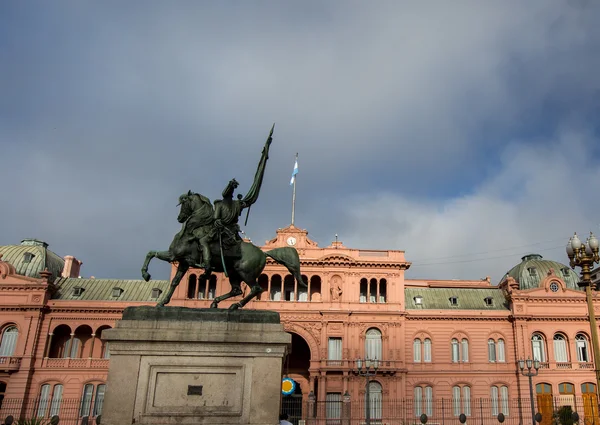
(176, 365)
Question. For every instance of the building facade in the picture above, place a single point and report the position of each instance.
(457, 341)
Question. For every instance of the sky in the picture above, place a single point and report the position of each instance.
(465, 133)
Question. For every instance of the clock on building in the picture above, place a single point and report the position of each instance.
(291, 241)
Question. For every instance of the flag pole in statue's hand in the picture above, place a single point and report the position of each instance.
(252, 194)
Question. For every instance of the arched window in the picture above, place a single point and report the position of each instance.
(9, 341)
(500, 351)
(499, 396)
(417, 350)
(90, 393)
(373, 344)
(44, 398)
(192, 280)
(382, 290)
(373, 290)
(465, 350)
(423, 401)
(375, 400)
(537, 346)
(581, 346)
(560, 349)
(50, 396)
(212, 287)
(455, 350)
(99, 400)
(418, 401)
(491, 351)
(363, 290)
(276, 288)
(427, 351)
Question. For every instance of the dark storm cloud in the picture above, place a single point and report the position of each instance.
(110, 110)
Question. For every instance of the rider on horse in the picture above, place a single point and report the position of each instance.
(225, 228)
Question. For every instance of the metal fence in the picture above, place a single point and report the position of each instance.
(476, 411)
(69, 411)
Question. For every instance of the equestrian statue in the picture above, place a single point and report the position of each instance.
(210, 239)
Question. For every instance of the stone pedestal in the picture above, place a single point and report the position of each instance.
(176, 365)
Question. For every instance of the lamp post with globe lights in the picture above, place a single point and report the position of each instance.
(530, 374)
(369, 370)
(585, 255)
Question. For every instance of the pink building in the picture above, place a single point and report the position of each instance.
(444, 347)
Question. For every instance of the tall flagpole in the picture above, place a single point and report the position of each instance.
(294, 193)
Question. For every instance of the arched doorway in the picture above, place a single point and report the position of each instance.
(296, 367)
(545, 402)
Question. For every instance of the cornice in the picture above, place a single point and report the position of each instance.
(459, 318)
(87, 309)
(344, 262)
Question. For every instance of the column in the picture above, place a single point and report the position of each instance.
(322, 387)
(92, 346)
(48, 345)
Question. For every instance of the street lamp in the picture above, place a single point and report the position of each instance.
(585, 255)
(530, 373)
(370, 369)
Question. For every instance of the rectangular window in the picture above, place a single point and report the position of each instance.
(334, 351)
(75, 348)
(333, 408)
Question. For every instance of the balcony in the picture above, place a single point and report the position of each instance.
(75, 363)
(385, 366)
(10, 364)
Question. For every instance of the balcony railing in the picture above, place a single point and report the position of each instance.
(75, 363)
(347, 365)
(10, 363)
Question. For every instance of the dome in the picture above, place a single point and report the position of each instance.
(31, 257)
(533, 269)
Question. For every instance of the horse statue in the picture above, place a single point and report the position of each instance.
(242, 261)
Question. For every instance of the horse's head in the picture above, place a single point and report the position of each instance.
(187, 209)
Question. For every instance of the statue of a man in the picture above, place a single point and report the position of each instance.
(226, 227)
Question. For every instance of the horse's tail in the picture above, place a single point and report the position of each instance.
(288, 257)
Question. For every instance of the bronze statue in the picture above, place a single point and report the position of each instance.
(209, 238)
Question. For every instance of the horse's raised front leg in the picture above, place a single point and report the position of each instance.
(235, 291)
(255, 291)
(181, 269)
(161, 255)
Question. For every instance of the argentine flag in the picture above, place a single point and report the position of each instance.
(294, 172)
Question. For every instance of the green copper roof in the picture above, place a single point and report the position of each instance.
(466, 299)
(32, 257)
(533, 269)
(102, 289)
